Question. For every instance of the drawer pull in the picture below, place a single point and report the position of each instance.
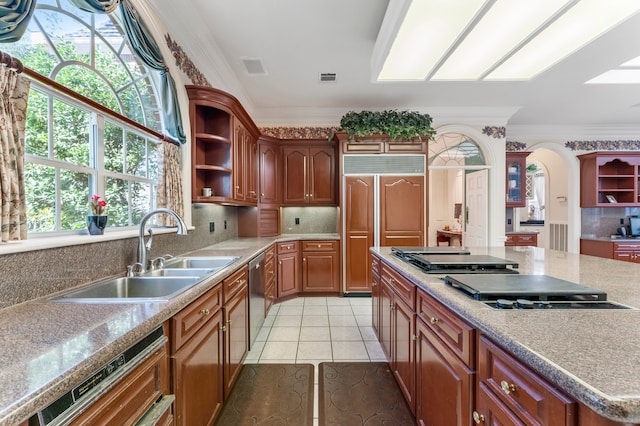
(319, 245)
(223, 328)
(478, 418)
(507, 387)
(433, 320)
(205, 311)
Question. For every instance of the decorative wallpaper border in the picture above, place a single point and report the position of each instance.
(604, 145)
(495, 131)
(513, 146)
(299, 132)
(184, 63)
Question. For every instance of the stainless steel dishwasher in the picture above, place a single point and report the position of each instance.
(256, 297)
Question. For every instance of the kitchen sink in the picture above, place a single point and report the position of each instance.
(179, 272)
(130, 289)
(213, 263)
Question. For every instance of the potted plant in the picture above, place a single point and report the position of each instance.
(406, 125)
(97, 220)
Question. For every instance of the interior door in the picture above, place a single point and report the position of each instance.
(359, 231)
(475, 214)
(402, 210)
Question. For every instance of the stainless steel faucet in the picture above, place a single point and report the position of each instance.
(144, 249)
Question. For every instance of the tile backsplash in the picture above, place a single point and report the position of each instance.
(310, 220)
(603, 222)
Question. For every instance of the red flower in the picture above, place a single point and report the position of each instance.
(98, 206)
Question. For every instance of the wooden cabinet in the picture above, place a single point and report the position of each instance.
(269, 278)
(197, 360)
(522, 239)
(400, 317)
(402, 211)
(133, 395)
(520, 390)
(359, 231)
(609, 179)
(445, 363)
(309, 174)
(516, 191)
(628, 252)
(375, 295)
(269, 159)
(288, 269)
(235, 326)
(320, 266)
(245, 165)
(224, 150)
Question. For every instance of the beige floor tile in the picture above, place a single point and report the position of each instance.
(337, 301)
(360, 301)
(284, 334)
(363, 320)
(291, 310)
(279, 350)
(367, 332)
(315, 310)
(361, 310)
(254, 354)
(315, 301)
(263, 334)
(350, 350)
(340, 310)
(342, 321)
(317, 334)
(345, 333)
(277, 361)
(375, 351)
(315, 321)
(314, 350)
(287, 321)
(293, 302)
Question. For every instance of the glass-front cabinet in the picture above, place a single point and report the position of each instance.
(516, 171)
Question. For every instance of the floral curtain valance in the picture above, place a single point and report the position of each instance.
(14, 19)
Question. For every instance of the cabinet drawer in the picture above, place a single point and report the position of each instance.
(521, 389)
(269, 254)
(319, 246)
(375, 265)
(270, 271)
(289, 247)
(456, 334)
(626, 246)
(189, 320)
(403, 288)
(235, 283)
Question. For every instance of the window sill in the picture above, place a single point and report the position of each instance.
(73, 240)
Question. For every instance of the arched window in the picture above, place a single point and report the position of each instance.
(455, 150)
(73, 147)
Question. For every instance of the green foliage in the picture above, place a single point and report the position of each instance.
(397, 124)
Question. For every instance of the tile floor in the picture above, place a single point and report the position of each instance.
(311, 330)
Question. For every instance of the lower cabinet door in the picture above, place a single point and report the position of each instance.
(444, 384)
(236, 314)
(386, 300)
(198, 375)
(491, 411)
(403, 358)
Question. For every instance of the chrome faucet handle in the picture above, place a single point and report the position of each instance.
(157, 263)
(134, 270)
(167, 256)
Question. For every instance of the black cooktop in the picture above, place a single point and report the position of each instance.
(529, 287)
(470, 263)
(409, 251)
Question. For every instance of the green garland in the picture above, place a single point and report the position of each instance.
(397, 124)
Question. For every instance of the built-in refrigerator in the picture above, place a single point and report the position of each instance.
(383, 204)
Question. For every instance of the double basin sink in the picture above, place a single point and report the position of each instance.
(160, 285)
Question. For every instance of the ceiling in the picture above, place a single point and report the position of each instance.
(296, 40)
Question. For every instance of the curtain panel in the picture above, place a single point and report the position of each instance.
(14, 93)
(169, 189)
(14, 19)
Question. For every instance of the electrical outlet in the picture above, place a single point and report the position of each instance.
(297, 221)
(622, 221)
(508, 221)
(212, 226)
(225, 224)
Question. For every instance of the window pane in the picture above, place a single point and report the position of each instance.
(141, 196)
(37, 140)
(70, 133)
(136, 155)
(86, 82)
(153, 160)
(117, 196)
(113, 147)
(41, 197)
(74, 197)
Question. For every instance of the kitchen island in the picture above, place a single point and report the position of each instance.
(588, 355)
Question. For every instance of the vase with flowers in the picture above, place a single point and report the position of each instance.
(97, 220)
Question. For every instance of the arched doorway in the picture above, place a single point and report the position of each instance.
(458, 189)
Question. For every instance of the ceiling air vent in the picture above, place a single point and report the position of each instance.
(254, 66)
(327, 77)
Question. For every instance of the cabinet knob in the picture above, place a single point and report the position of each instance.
(205, 311)
(507, 387)
(223, 328)
(262, 194)
(319, 245)
(478, 418)
(414, 337)
(229, 322)
(433, 320)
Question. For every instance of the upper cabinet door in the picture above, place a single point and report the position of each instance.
(322, 176)
(295, 163)
(269, 184)
(516, 189)
(402, 210)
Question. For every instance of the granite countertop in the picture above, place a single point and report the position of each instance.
(613, 239)
(48, 348)
(592, 355)
(521, 232)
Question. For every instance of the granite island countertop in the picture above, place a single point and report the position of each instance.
(48, 348)
(592, 355)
